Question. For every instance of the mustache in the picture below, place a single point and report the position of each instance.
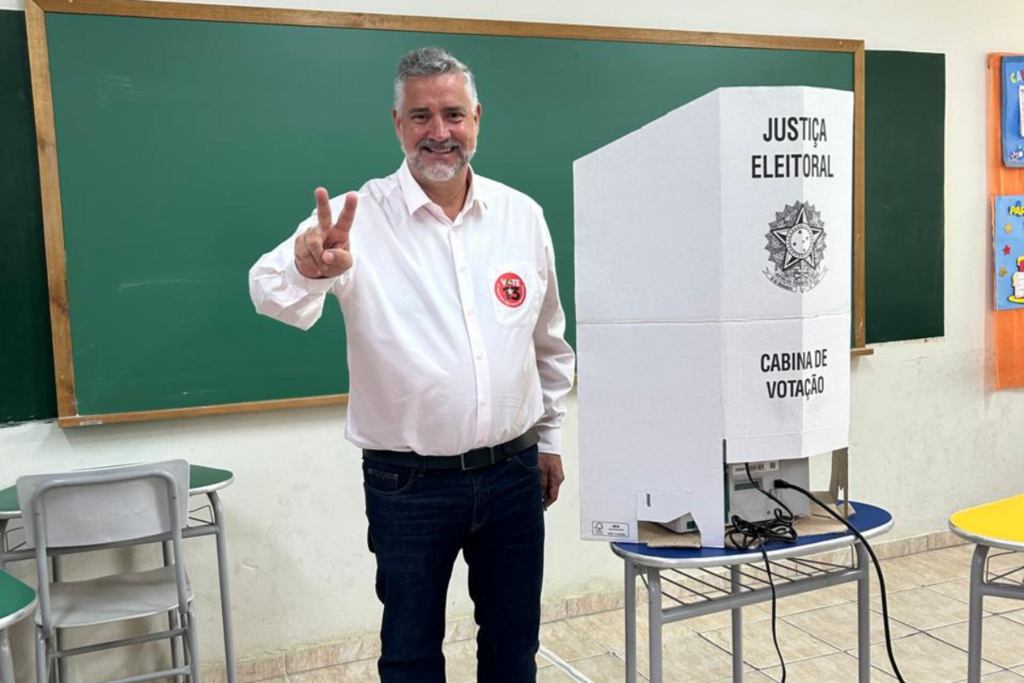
(435, 146)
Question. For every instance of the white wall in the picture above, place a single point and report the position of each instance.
(928, 436)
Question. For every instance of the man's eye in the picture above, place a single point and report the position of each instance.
(456, 117)
(419, 118)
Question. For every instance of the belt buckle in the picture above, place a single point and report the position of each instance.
(462, 460)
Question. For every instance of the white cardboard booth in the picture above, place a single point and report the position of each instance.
(713, 283)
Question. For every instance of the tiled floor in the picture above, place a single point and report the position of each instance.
(817, 633)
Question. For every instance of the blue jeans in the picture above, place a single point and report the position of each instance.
(419, 521)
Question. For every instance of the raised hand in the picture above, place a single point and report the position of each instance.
(323, 250)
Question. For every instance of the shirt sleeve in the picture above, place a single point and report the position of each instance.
(556, 361)
(280, 291)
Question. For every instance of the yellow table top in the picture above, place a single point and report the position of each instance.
(1000, 523)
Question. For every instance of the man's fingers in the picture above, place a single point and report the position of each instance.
(348, 213)
(551, 476)
(308, 250)
(314, 244)
(336, 261)
(323, 209)
(554, 484)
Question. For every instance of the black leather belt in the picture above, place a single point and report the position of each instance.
(471, 460)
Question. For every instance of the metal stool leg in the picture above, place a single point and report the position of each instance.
(974, 610)
(654, 618)
(863, 614)
(630, 605)
(737, 627)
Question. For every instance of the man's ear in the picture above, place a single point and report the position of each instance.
(398, 123)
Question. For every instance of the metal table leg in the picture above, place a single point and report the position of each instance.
(655, 619)
(225, 589)
(630, 588)
(6, 665)
(737, 627)
(863, 614)
(974, 610)
(3, 543)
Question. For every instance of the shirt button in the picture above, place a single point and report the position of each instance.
(470, 311)
(463, 268)
(479, 356)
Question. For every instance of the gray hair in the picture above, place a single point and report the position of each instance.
(430, 61)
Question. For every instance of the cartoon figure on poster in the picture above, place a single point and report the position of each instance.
(1008, 229)
(1013, 111)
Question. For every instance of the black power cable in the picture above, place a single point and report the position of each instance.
(746, 534)
(783, 484)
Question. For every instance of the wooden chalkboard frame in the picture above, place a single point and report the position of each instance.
(35, 17)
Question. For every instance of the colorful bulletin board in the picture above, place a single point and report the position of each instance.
(1004, 182)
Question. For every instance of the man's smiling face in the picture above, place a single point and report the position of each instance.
(437, 126)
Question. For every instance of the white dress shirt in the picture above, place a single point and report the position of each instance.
(455, 330)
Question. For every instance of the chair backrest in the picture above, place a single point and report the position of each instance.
(104, 505)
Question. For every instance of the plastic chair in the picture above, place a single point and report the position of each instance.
(16, 602)
(106, 508)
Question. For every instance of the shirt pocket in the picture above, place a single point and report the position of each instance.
(515, 292)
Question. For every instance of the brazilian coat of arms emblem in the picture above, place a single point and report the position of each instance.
(796, 248)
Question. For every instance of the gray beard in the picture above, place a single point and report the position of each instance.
(440, 172)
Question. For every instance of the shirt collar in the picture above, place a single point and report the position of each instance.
(416, 198)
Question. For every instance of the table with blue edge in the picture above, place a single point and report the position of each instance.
(747, 584)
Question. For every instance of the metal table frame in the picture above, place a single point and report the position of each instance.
(8, 620)
(744, 584)
(983, 584)
(197, 527)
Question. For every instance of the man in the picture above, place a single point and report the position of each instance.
(458, 368)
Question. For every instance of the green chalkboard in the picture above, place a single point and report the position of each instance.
(26, 356)
(904, 207)
(198, 354)
(187, 148)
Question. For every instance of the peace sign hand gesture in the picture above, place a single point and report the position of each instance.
(323, 250)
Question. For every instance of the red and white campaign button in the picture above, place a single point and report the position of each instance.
(510, 290)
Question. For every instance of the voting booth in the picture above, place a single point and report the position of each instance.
(713, 282)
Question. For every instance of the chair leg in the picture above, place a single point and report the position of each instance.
(42, 675)
(60, 672)
(173, 621)
(178, 647)
(193, 643)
